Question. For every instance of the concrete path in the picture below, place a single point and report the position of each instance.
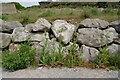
(61, 73)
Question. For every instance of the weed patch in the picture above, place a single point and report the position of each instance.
(20, 59)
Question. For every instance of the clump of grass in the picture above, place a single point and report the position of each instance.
(58, 58)
(88, 12)
(19, 59)
(47, 13)
(104, 59)
(114, 61)
(110, 11)
(25, 20)
(4, 17)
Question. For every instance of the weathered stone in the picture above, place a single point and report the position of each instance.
(9, 26)
(92, 36)
(5, 40)
(88, 53)
(101, 9)
(94, 23)
(41, 25)
(116, 25)
(38, 48)
(67, 48)
(19, 35)
(13, 47)
(39, 36)
(117, 40)
(114, 49)
(29, 27)
(50, 45)
(63, 30)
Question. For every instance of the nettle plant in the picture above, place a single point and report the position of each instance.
(104, 59)
(58, 57)
(53, 58)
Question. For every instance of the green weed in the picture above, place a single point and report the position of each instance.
(19, 59)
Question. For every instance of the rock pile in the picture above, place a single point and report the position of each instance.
(91, 34)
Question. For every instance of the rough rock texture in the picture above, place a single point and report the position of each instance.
(66, 49)
(19, 35)
(92, 36)
(13, 47)
(9, 26)
(38, 48)
(88, 53)
(29, 27)
(5, 40)
(94, 23)
(116, 25)
(50, 45)
(41, 25)
(114, 49)
(38, 36)
(63, 30)
(117, 40)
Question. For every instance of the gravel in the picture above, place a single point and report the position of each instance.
(60, 73)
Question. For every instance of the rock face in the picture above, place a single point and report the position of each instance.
(63, 30)
(114, 49)
(40, 25)
(5, 40)
(92, 36)
(19, 35)
(38, 36)
(9, 26)
(116, 25)
(29, 27)
(88, 53)
(13, 47)
(117, 40)
(94, 23)
(50, 45)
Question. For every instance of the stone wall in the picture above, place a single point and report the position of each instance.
(8, 9)
(89, 34)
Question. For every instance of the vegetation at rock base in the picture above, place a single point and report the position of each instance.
(19, 59)
(58, 57)
(26, 55)
(104, 59)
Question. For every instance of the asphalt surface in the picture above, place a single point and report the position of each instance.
(60, 73)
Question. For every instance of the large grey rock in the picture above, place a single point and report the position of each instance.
(9, 26)
(114, 49)
(19, 35)
(92, 36)
(39, 36)
(94, 23)
(116, 25)
(5, 40)
(88, 53)
(63, 30)
(41, 25)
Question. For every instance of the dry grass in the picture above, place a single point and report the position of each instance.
(72, 15)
